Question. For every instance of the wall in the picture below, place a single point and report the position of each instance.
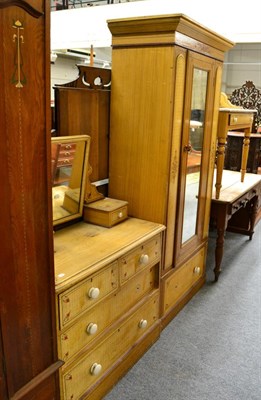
(242, 63)
(65, 69)
(236, 20)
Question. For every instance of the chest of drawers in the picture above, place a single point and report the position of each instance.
(107, 300)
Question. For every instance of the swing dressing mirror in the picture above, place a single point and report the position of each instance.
(69, 158)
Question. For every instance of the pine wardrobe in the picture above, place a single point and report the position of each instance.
(166, 82)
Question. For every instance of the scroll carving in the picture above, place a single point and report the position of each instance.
(248, 97)
(91, 78)
(22, 4)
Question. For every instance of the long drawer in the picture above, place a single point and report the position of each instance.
(176, 285)
(96, 320)
(93, 365)
(87, 294)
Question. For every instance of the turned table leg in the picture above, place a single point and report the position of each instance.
(245, 151)
(221, 221)
(219, 252)
(252, 217)
(221, 145)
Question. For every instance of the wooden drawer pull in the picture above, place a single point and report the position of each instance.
(243, 203)
(96, 369)
(197, 270)
(94, 293)
(144, 259)
(92, 328)
(143, 323)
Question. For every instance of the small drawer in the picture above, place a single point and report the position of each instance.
(106, 212)
(65, 162)
(96, 320)
(241, 203)
(240, 119)
(93, 365)
(146, 254)
(87, 294)
(183, 279)
(67, 147)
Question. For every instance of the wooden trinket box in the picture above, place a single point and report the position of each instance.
(106, 212)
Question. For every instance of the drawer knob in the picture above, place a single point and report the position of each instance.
(94, 293)
(96, 369)
(92, 328)
(144, 259)
(197, 270)
(234, 119)
(243, 203)
(120, 214)
(143, 323)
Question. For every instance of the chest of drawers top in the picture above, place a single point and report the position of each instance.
(83, 249)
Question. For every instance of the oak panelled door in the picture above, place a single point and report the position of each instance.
(28, 363)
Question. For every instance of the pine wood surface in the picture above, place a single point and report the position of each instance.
(178, 283)
(140, 165)
(110, 260)
(232, 119)
(153, 64)
(106, 212)
(74, 337)
(124, 363)
(77, 378)
(83, 249)
(167, 29)
(233, 188)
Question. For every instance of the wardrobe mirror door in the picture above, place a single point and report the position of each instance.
(194, 153)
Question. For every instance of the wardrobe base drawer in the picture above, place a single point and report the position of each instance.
(176, 285)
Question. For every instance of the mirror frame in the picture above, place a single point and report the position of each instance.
(84, 170)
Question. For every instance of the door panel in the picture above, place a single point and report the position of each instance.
(195, 155)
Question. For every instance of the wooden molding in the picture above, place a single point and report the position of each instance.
(22, 4)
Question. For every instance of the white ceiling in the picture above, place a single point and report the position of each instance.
(237, 20)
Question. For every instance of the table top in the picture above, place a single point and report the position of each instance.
(238, 110)
(242, 134)
(232, 187)
(82, 249)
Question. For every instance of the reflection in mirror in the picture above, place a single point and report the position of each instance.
(194, 148)
(69, 157)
